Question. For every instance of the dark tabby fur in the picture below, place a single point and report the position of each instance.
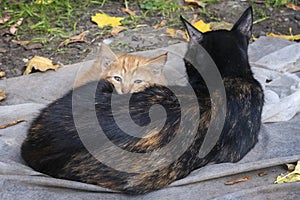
(53, 146)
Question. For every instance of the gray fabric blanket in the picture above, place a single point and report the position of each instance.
(275, 60)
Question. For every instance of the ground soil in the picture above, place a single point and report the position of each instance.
(13, 57)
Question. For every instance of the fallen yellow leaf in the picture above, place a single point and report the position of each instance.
(288, 37)
(2, 94)
(176, 33)
(292, 6)
(103, 20)
(117, 29)
(45, 2)
(41, 64)
(171, 32)
(77, 38)
(201, 26)
(290, 177)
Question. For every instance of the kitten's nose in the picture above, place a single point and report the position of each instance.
(125, 90)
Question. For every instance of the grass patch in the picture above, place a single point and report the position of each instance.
(53, 18)
(277, 3)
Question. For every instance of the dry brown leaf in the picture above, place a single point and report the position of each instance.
(41, 64)
(77, 38)
(246, 178)
(292, 6)
(14, 28)
(128, 11)
(12, 123)
(4, 19)
(20, 42)
(161, 24)
(117, 29)
(197, 2)
(2, 94)
(28, 45)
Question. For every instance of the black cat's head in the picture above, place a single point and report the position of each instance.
(228, 49)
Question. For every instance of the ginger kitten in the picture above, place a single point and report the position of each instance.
(128, 73)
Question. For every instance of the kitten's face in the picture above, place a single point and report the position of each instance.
(129, 73)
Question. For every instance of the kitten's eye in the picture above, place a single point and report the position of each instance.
(138, 81)
(118, 78)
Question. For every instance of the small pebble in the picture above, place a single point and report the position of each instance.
(297, 17)
(108, 41)
(25, 60)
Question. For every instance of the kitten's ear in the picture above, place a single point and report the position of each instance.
(106, 55)
(244, 24)
(157, 64)
(194, 34)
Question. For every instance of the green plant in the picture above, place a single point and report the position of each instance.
(165, 7)
(54, 18)
(277, 3)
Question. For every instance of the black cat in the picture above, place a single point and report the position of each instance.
(54, 144)
(244, 94)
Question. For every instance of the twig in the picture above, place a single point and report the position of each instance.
(12, 123)
(260, 20)
(246, 178)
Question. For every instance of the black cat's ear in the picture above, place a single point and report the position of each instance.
(244, 24)
(194, 34)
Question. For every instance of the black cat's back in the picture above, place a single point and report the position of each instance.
(53, 145)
